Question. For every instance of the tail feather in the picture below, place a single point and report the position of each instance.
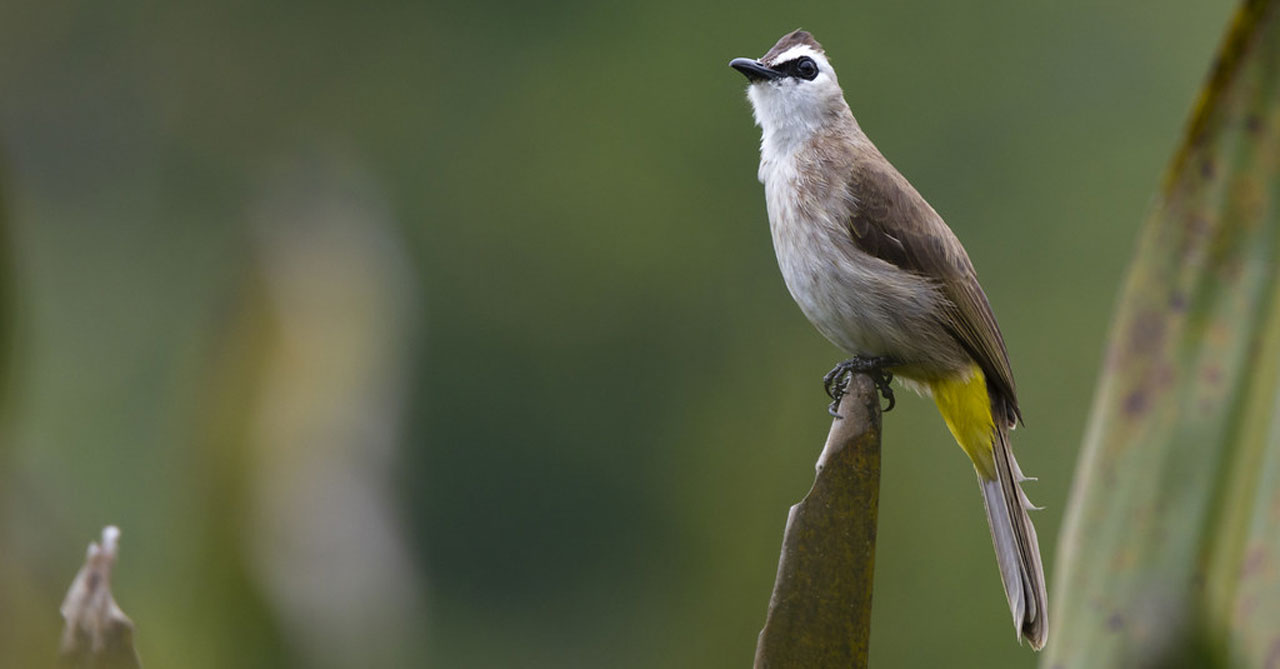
(980, 425)
(1016, 545)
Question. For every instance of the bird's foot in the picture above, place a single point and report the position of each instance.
(836, 382)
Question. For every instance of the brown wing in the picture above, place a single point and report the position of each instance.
(891, 221)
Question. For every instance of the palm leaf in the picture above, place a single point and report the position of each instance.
(1170, 552)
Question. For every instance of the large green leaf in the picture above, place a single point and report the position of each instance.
(1170, 553)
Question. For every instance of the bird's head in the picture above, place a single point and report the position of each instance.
(793, 88)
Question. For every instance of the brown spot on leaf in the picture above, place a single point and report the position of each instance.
(1253, 123)
(1198, 228)
(1254, 560)
(1147, 333)
(1178, 301)
(1136, 403)
(1115, 622)
(1207, 169)
(1198, 137)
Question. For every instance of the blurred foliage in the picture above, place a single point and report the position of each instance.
(1169, 557)
(608, 382)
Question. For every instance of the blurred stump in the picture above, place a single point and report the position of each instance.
(820, 611)
(333, 321)
(98, 635)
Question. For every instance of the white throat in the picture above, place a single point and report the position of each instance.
(790, 111)
(784, 125)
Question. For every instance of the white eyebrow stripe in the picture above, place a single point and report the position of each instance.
(794, 53)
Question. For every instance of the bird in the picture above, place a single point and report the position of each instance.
(879, 273)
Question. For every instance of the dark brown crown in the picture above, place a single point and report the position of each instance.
(789, 40)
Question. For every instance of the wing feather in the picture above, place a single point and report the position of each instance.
(891, 221)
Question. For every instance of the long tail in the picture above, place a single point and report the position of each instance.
(1017, 548)
(966, 407)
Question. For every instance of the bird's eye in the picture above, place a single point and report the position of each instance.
(806, 68)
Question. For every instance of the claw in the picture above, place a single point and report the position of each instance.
(886, 391)
(836, 382)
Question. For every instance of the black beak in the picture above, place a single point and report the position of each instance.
(754, 70)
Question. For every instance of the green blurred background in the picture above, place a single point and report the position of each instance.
(451, 335)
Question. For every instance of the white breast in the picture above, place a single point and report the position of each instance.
(864, 305)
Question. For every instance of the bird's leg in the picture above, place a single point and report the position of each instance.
(836, 381)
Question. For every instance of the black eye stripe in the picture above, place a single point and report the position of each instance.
(801, 68)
